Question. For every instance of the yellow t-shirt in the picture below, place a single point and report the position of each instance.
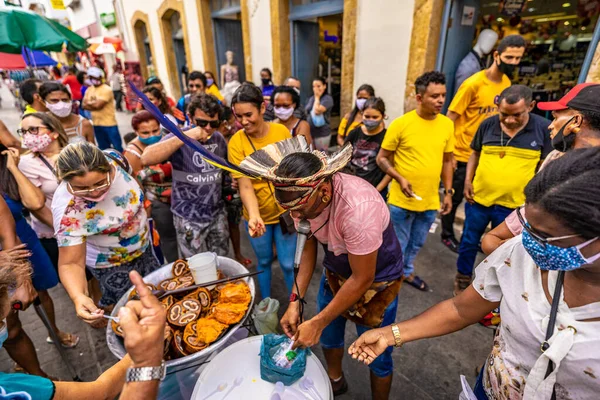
(474, 101)
(343, 124)
(239, 148)
(29, 110)
(214, 90)
(106, 116)
(419, 146)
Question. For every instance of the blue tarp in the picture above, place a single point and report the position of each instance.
(35, 58)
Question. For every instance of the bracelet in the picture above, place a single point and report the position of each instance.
(397, 339)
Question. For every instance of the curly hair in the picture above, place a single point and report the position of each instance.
(428, 78)
(207, 103)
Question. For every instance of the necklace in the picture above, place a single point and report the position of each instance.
(503, 153)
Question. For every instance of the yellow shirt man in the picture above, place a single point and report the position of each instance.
(419, 146)
(239, 148)
(214, 90)
(106, 116)
(474, 101)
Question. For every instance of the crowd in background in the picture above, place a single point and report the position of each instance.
(91, 209)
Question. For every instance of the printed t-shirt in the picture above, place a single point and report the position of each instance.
(106, 116)
(42, 177)
(357, 221)
(364, 155)
(510, 276)
(197, 185)
(115, 229)
(506, 165)
(474, 101)
(325, 130)
(419, 146)
(25, 387)
(239, 148)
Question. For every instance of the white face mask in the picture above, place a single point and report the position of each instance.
(283, 113)
(61, 109)
(360, 103)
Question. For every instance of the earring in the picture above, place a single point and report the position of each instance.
(576, 129)
(325, 199)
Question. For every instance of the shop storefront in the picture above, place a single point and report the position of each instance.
(562, 37)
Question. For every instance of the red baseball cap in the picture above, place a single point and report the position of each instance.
(562, 104)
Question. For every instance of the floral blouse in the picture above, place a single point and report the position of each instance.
(114, 230)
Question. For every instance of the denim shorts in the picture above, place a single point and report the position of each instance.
(333, 334)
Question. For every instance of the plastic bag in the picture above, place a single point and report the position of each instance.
(318, 120)
(265, 316)
(291, 371)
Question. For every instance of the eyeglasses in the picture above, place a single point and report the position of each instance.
(34, 130)
(87, 191)
(202, 123)
(536, 236)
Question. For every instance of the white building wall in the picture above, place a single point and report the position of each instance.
(382, 49)
(193, 28)
(261, 43)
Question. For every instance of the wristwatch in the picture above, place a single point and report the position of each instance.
(398, 342)
(144, 374)
(449, 191)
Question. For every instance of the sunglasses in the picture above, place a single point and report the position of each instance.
(202, 123)
(191, 86)
(87, 191)
(536, 236)
(34, 130)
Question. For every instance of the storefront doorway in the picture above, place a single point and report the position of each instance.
(316, 31)
(559, 33)
(227, 25)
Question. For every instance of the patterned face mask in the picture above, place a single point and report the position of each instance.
(553, 258)
(37, 143)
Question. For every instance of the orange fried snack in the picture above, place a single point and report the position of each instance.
(235, 293)
(208, 330)
(229, 313)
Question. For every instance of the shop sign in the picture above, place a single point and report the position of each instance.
(57, 4)
(108, 19)
(512, 7)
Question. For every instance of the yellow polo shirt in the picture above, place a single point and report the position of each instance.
(239, 148)
(419, 146)
(474, 101)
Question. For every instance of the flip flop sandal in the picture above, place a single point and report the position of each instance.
(245, 262)
(72, 341)
(418, 283)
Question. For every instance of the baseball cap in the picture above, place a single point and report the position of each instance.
(582, 97)
(95, 72)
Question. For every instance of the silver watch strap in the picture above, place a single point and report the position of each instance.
(146, 373)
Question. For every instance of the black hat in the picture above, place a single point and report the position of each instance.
(588, 99)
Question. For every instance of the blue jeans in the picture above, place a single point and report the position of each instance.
(332, 336)
(478, 389)
(477, 218)
(107, 137)
(263, 248)
(411, 228)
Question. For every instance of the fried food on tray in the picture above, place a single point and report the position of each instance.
(116, 328)
(235, 293)
(201, 294)
(229, 313)
(208, 330)
(168, 301)
(191, 344)
(177, 345)
(134, 291)
(180, 267)
(184, 312)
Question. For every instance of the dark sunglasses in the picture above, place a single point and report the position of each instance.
(34, 130)
(192, 86)
(202, 123)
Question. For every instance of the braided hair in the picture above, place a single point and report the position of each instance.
(569, 189)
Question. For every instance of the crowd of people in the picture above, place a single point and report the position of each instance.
(92, 211)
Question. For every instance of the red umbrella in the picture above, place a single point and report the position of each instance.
(12, 61)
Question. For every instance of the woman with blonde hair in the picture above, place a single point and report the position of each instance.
(101, 224)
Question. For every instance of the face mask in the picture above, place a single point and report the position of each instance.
(561, 142)
(96, 82)
(265, 81)
(209, 82)
(371, 124)
(3, 333)
(87, 82)
(506, 69)
(553, 258)
(97, 199)
(283, 113)
(360, 103)
(37, 143)
(61, 109)
(150, 140)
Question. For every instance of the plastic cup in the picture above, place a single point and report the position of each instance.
(203, 267)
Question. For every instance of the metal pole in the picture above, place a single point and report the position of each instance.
(589, 56)
(439, 60)
(44, 317)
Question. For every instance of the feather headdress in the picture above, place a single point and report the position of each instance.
(264, 162)
(209, 157)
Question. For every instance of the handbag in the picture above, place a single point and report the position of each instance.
(286, 222)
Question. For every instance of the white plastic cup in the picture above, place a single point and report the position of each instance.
(203, 267)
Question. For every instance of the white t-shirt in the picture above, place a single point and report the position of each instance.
(114, 229)
(510, 276)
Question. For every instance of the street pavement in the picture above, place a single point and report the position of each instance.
(424, 370)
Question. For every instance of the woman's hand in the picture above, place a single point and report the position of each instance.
(256, 227)
(87, 310)
(370, 345)
(12, 158)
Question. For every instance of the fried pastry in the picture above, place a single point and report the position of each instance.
(183, 312)
(180, 267)
(229, 313)
(235, 293)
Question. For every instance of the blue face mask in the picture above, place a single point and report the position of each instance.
(150, 140)
(209, 82)
(3, 333)
(553, 258)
